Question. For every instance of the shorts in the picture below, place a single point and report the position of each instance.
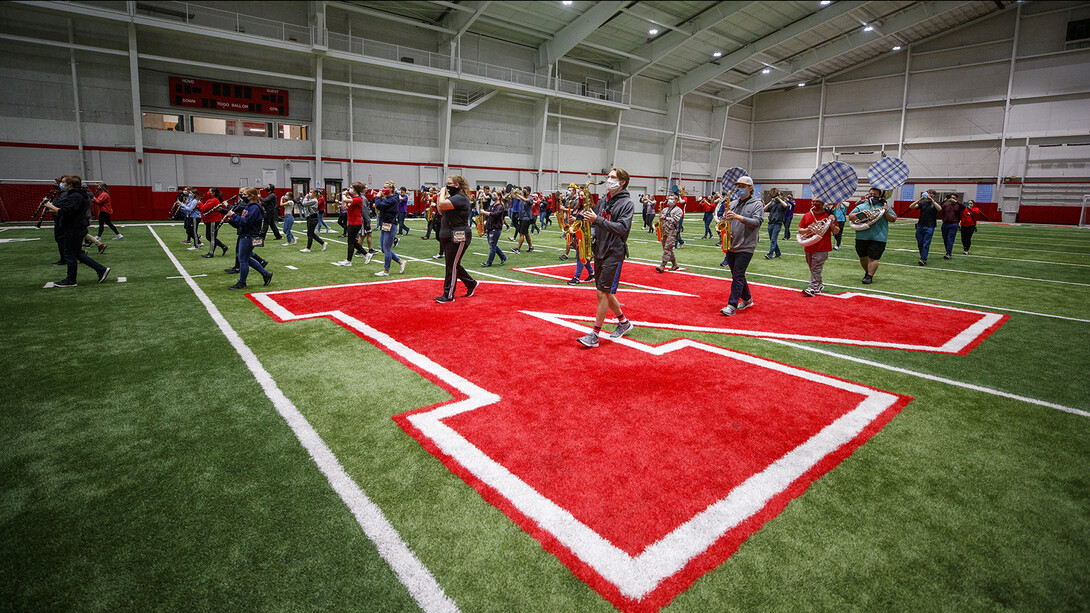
(608, 274)
(869, 249)
(524, 226)
(366, 225)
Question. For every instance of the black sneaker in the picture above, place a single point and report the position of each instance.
(486, 265)
(573, 281)
(397, 240)
(64, 283)
(61, 263)
(563, 256)
(947, 256)
(231, 271)
(530, 250)
(267, 278)
(470, 291)
(238, 286)
(922, 263)
(102, 277)
(867, 279)
(443, 299)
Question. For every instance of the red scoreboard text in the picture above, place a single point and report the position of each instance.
(214, 95)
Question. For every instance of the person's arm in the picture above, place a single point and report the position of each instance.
(444, 200)
(620, 225)
(754, 220)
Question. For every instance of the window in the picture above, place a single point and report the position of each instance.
(1078, 34)
(250, 128)
(231, 127)
(293, 132)
(208, 125)
(159, 121)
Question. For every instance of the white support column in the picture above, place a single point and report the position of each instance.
(75, 103)
(137, 116)
(1006, 117)
(613, 141)
(446, 126)
(725, 112)
(541, 124)
(351, 129)
(821, 126)
(559, 127)
(752, 125)
(904, 103)
(673, 115)
(318, 171)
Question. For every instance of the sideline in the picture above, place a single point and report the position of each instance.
(854, 288)
(410, 571)
(905, 371)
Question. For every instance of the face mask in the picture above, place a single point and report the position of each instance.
(452, 189)
(613, 184)
(671, 202)
(63, 187)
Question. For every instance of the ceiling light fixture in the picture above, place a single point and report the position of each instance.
(868, 28)
(766, 71)
(566, 2)
(802, 85)
(825, 2)
(896, 47)
(653, 31)
(717, 54)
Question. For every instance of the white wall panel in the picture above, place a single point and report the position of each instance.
(987, 30)
(956, 56)
(1046, 33)
(1054, 118)
(958, 85)
(892, 64)
(793, 133)
(782, 165)
(860, 129)
(793, 102)
(1052, 75)
(737, 134)
(954, 121)
(952, 160)
(880, 93)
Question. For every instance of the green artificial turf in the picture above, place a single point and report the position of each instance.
(144, 468)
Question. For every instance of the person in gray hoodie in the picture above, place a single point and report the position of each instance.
(745, 216)
(611, 221)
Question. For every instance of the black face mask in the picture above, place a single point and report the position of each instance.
(453, 190)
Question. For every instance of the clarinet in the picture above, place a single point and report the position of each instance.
(39, 214)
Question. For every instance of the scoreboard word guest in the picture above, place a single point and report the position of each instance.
(200, 94)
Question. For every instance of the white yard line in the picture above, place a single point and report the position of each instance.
(995, 257)
(410, 570)
(905, 371)
(878, 291)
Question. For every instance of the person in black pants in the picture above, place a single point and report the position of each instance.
(72, 212)
(270, 206)
(310, 209)
(454, 236)
(246, 197)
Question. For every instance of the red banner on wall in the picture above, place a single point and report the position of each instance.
(220, 96)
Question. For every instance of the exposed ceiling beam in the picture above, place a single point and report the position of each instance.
(700, 75)
(911, 16)
(344, 6)
(606, 49)
(453, 5)
(461, 20)
(661, 46)
(575, 32)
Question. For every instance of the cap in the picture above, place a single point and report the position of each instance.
(745, 180)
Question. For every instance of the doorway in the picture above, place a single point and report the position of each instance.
(332, 195)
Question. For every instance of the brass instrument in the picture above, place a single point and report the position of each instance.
(429, 210)
(658, 221)
(868, 218)
(811, 234)
(480, 221)
(581, 226)
(723, 226)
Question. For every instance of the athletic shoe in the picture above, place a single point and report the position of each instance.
(64, 283)
(101, 248)
(723, 263)
(728, 310)
(423, 238)
(267, 278)
(530, 250)
(437, 256)
(922, 263)
(809, 293)
(207, 255)
(660, 269)
(286, 244)
(402, 269)
(382, 273)
(238, 285)
(225, 250)
(563, 256)
(372, 251)
(341, 263)
(675, 267)
(621, 329)
(186, 242)
(443, 299)
(119, 237)
(60, 263)
(105, 273)
(396, 240)
(304, 251)
(367, 258)
(324, 245)
(192, 248)
(515, 250)
(231, 271)
(573, 281)
(745, 304)
(947, 256)
(590, 340)
(836, 247)
(965, 251)
(486, 265)
(867, 279)
(471, 290)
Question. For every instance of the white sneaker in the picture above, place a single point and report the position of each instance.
(119, 237)
(382, 273)
(346, 263)
(745, 304)
(324, 245)
(191, 249)
(402, 266)
(286, 245)
(367, 258)
(304, 251)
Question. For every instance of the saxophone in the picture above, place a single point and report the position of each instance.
(581, 226)
(723, 226)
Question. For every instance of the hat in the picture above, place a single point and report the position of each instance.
(745, 180)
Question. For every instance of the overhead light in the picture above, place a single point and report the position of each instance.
(717, 54)
(653, 31)
(868, 28)
(566, 2)
(825, 2)
(896, 47)
(766, 71)
(802, 85)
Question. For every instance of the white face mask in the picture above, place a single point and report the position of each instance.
(613, 185)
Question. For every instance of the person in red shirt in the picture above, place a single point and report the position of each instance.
(101, 201)
(968, 224)
(708, 207)
(818, 252)
(353, 205)
(212, 212)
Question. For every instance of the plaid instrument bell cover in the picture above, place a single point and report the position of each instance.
(833, 181)
(732, 175)
(888, 173)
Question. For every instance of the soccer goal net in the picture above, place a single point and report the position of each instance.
(22, 199)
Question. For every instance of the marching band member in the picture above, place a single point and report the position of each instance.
(353, 207)
(268, 202)
(523, 216)
(612, 221)
(745, 215)
(402, 211)
(951, 218)
(707, 205)
(818, 252)
(431, 212)
(871, 242)
(71, 211)
(386, 203)
(925, 226)
(249, 224)
(454, 237)
(190, 207)
(290, 211)
(776, 210)
(312, 209)
(493, 228)
(840, 213)
(968, 224)
(246, 197)
(212, 210)
(669, 217)
(787, 216)
(101, 201)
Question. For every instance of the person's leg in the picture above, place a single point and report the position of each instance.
(272, 223)
(245, 249)
(102, 223)
(773, 238)
(925, 248)
(967, 238)
(578, 269)
(839, 233)
(872, 267)
(353, 237)
(210, 236)
(949, 231)
(816, 267)
(741, 263)
(289, 221)
(71, 245)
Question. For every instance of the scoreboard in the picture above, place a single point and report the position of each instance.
(219, 96)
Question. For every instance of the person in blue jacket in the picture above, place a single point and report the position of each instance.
(249, 224)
